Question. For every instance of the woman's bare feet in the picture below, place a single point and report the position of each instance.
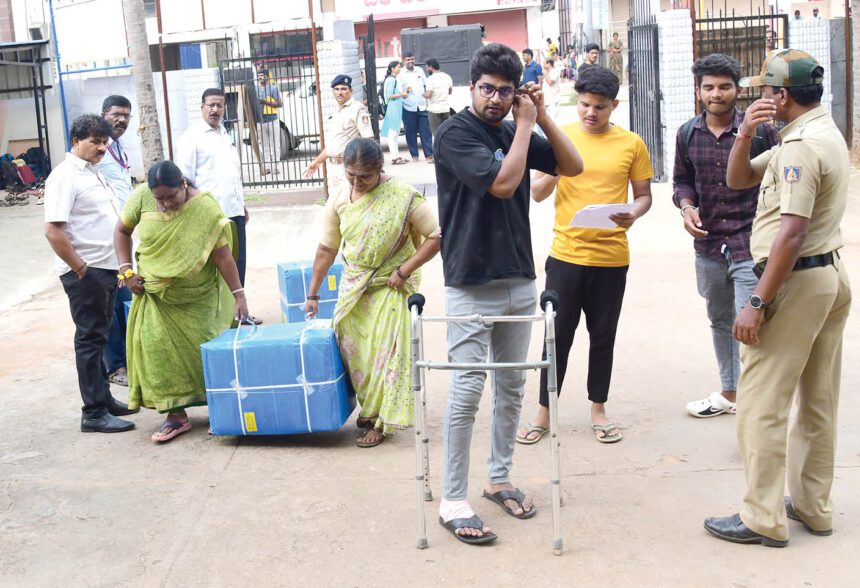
(371, 438)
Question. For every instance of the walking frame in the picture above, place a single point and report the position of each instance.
(549, 301)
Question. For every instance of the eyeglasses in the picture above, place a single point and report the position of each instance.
(489, 90)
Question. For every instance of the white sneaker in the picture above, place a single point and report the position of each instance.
(714, 405)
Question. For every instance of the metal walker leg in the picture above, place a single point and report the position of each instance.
(548, 301)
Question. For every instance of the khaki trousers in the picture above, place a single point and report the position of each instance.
(799, 356)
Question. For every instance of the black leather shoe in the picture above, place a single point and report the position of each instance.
(106, 424)
(733, 529)
(792, 514)
(117, 408)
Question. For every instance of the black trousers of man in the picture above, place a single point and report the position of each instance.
(598, 292)
(91, 302)
(241, 246)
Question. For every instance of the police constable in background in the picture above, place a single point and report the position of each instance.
(792, 326)
(351, 120)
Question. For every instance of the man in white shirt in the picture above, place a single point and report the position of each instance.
(116, 171)
(439, 88)
(415, 120)
(210, 162)
(550, 86)
(81, 213)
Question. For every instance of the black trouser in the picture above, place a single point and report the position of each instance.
(240, 246)
(597, 292)
(91, 301)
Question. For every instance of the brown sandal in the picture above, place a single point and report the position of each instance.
(367, 444)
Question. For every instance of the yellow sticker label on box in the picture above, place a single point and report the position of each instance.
(332, 283)
(250, 422)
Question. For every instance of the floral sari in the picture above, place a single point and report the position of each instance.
(185, 302)
(371, 320)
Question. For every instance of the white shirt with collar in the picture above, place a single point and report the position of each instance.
(208, 158)
(115, 169)
(417, 81)
(77, 195)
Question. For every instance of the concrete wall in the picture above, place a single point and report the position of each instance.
(676, 82)
(838, 83)
(813, 36)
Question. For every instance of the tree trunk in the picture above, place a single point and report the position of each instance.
(138, 46)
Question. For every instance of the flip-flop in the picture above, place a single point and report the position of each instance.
(515, 494)
(398, 161)
(607, 436)
(119, 377)
(474, 522)
(530, 428)
(177, 428)
(368, 444)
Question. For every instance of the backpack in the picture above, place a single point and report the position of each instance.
(759, 143)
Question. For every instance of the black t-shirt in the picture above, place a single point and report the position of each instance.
(483, 237)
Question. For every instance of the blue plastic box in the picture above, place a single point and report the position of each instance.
(294, 278)
(291, 379)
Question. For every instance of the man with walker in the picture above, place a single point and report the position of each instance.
(482, 172)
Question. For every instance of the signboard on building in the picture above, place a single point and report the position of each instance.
(358, 10)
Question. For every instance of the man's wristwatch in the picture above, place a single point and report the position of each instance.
(757, 303)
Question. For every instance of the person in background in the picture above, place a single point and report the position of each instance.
(115, 169)
(616, 57)
(269, 127)
(815, 14)
(80, 213)
(531, 69)
(551, 87)
(385, 231)
(186, 291)
(588, 266)
(415, 120)
(393, 96)
(793, 325)
(797, 15)
(439, 89)
(551, 47)
(483, 179)
(350, 120)
(718, 218)
(592, 52)
(209, 160)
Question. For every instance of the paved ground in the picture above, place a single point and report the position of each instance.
(102, 510)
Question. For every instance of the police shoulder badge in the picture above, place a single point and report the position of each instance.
(499, 155)
(791, 173)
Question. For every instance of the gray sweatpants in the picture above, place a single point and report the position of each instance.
(471, 342)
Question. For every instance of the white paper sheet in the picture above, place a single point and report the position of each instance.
(596, 216)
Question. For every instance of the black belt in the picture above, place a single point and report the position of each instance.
(802, 263)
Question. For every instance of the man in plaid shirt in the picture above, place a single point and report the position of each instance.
(719, 218)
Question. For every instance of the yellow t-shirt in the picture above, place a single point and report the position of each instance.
(612, 160)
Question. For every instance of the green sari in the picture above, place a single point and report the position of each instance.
(185, 302)
(371, 320)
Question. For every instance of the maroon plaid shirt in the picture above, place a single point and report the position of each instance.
(726, 214)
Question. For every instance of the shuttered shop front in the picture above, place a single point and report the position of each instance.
(385, 31)
(501, 26)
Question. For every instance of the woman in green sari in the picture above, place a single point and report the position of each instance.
(186, 290)
(385, 231)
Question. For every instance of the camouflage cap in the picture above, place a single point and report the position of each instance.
(785, 68)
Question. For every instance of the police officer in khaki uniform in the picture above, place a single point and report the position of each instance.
(351, 120)
(792, 326)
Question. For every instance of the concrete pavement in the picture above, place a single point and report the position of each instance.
(107, 510)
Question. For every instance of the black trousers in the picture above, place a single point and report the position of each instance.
(91, 302)
(240, 246)
(598, 293)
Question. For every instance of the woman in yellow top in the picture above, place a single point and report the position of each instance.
(385, 231)
(586, 266)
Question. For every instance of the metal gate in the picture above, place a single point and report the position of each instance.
(275, 143)
(746, 37)
(372, 92)
(644, 76)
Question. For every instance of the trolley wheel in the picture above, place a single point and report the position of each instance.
(549, 296)
(418, 301)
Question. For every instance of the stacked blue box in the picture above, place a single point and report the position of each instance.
(276, 380)
(294, 278)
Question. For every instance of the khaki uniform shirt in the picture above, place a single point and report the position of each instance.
(805, 175)
(349, 121)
